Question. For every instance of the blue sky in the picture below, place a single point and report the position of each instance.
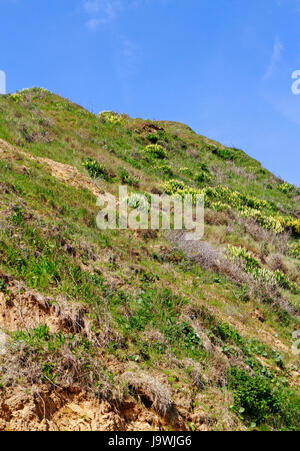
(224, 67)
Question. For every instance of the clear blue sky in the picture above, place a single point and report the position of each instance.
(223, 67)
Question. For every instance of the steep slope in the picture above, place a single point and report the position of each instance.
(114, 330)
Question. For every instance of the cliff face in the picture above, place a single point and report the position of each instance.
(141, 329)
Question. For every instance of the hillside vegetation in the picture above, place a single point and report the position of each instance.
(127, 330)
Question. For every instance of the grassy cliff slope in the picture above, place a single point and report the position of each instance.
(127, 330)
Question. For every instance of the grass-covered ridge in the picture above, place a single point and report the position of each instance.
(200, 337)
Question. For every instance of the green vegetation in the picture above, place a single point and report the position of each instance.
(248, 207)
(253, 267)
(295, 250)
(110, 117)
(128, 179)
(156, 151)
(96, 170)
(286, 188)
(225, 154)
(256, 401)
(118, 304)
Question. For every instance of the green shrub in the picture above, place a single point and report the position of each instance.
(16, 97)
(285, 188)
(96, 170)
(127, 178)
(156, 151)
(240, 252)
(226, 333)
(153, 138)
(225, 154)
(257, 399)
(291, 223)
(17, 218)
(202, 177)
(203, 167)
(187, 172)
(219, 206)
(285, 283)
(166, 169)
(183, 333)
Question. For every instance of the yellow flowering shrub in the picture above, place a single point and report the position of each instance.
(221, 197)
(110, 117)
(267, 222)
(219, 206)
(291, 223)
(286, 188)
(218, 194)
(295, 250)
(155, 151)
(19, 95)
(258, 272)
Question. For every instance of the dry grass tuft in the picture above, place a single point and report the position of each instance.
(72, 316)
(151, 392)
(209, 258)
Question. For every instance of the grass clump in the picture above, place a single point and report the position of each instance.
(128, 179)
(187, 172)
(17, 218)
(38, 356)
(2, 286)
(166, 169)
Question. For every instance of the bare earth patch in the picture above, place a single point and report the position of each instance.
(24, 309)
(63, 172)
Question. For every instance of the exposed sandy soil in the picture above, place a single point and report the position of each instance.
(24, 309)
(45, 409)
(62, 172)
